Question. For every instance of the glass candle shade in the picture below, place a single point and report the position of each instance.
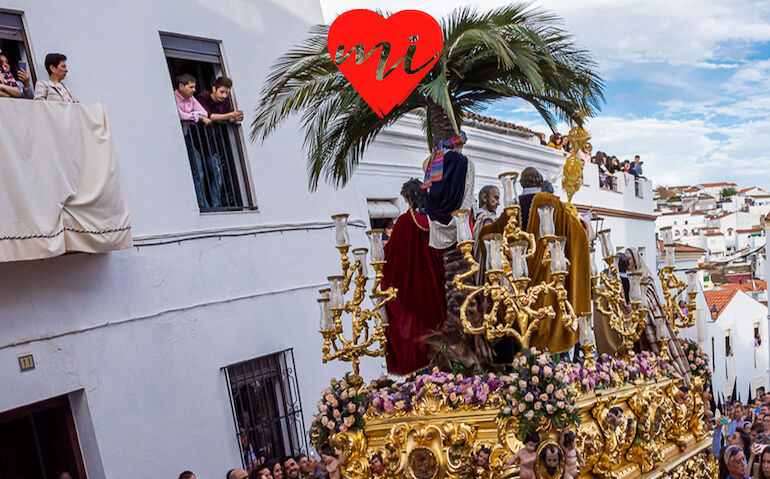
(519, 267)
(375, 244)
(547, 227)
(592, 259)
(635, 286)
(510, 195)
(607, 249)
(493, 242)
(336, 300)
(558, 260)
(692, 281)
(670, 255)
(341, 229)
(360, 254)
(462, 219)
(668, 237)
(326, 314)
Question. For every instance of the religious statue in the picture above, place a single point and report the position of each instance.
(417, 271)
(489, 200)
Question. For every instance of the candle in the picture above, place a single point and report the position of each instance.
(670, 256)
(607, 249)
(510, 196)
(375, 244)
(335, 287)
(692, 281)
(546, 220)
(463, 225)
(493, 243)
(360, 254)
(326, 316)
(594, 269)
(558, 260)
(667, 235)
(341, 229)
(519, 259)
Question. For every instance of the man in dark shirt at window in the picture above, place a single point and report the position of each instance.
(217, 104)
(220, 110)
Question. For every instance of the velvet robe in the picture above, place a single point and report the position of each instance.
(417, 270)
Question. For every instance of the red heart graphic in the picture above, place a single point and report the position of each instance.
(356, 40)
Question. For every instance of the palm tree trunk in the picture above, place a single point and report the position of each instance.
(440, 125)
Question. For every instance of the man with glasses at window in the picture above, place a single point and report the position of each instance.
(736, 462)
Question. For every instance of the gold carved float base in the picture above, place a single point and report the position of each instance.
(641, 430)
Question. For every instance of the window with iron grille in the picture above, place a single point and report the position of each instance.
(266, 407)
(215, 152)
(14, 45)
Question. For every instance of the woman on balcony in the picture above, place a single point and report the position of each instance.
(53, 89)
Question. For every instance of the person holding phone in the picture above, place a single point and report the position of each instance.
(10, 86)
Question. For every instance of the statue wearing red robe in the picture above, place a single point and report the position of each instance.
(417, 270)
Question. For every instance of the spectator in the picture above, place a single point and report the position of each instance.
(764, 465)
(190, 109)
(636, 168)
(216, 103)
(237, 474)
(736, 462)
(614, 165)
(276, 469)
(565, 144)
(541, 136)
(53, 89)
(585, 154)
(626, 166)
(10, 86)
(249, 457)
(737, 418)
(291, 467)
(604, 173)
(555, 141)
(261, 472)
(187, 475)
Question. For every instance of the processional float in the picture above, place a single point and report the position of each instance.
(630, 415)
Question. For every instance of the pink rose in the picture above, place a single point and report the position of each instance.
(549, 389)
(329, 398)
(535, 380)
(351, 407)
(537, 406)
(529, 415)
(544, 397)
(349, 421)
(529, 397)
(535, 369)
(549, 409)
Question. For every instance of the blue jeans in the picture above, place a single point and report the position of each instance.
(216, 183)
(196, 166)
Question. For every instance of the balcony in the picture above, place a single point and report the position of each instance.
(59, 188)
(216, 160)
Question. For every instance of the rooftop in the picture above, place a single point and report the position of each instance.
(712, 185)
(719, 299)
(682, 248)
(489, 121)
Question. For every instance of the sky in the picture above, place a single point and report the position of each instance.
(687, 81)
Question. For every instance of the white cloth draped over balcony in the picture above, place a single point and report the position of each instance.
(59, 184)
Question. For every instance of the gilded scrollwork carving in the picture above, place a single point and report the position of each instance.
(353, 446)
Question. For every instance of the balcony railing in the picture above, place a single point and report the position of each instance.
(218, 167)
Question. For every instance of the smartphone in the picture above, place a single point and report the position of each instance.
(23, 66)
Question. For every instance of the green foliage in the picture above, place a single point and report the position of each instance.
(512, 51)
(727, 191)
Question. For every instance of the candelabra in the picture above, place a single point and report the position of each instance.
(367, 325)
(609, 299)
(674, 286)
(507, 283)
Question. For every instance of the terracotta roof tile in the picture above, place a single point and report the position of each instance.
(714, 234)
(719, 298)
(711, 185)
(682, 248)
(495, 122)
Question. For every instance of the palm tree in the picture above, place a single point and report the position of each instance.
(513, 51)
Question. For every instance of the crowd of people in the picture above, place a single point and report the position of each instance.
(19, 85)
(608, 165)
(741, 437)
(291, 467)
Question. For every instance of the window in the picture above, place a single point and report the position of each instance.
(757, 336)
(13, 42)
(266, 406)
(728, 344)
(215, 152)
(40, 441)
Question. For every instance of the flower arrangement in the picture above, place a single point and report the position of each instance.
(697, 360)
(612, 372)
(538, 390)
(340, 408)
(456, 391)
